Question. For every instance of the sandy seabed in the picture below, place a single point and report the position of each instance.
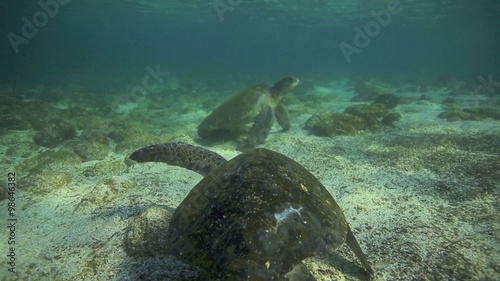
(422, 198)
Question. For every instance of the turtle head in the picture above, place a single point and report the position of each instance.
(283, 86)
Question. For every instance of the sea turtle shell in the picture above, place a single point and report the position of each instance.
(255, 217)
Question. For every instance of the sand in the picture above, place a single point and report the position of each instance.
(422, 198)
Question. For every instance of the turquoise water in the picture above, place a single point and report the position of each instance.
(396, 115)
(98, 42)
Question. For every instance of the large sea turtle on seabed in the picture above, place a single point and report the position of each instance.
(259, 106)
(255, 217)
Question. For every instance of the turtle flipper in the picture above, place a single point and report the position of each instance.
(180, 154)
(300, 273)
(282, 116)
(260, 128)
(353, 244)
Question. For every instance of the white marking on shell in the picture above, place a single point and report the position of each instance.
(283, 215)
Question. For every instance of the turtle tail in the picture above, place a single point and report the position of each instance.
(180, 154)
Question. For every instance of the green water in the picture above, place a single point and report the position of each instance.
(102, 44)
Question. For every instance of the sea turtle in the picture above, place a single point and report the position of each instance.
(255, 217)
(258, 105)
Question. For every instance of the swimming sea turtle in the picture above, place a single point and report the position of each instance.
(258, 105)
(255, 217)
